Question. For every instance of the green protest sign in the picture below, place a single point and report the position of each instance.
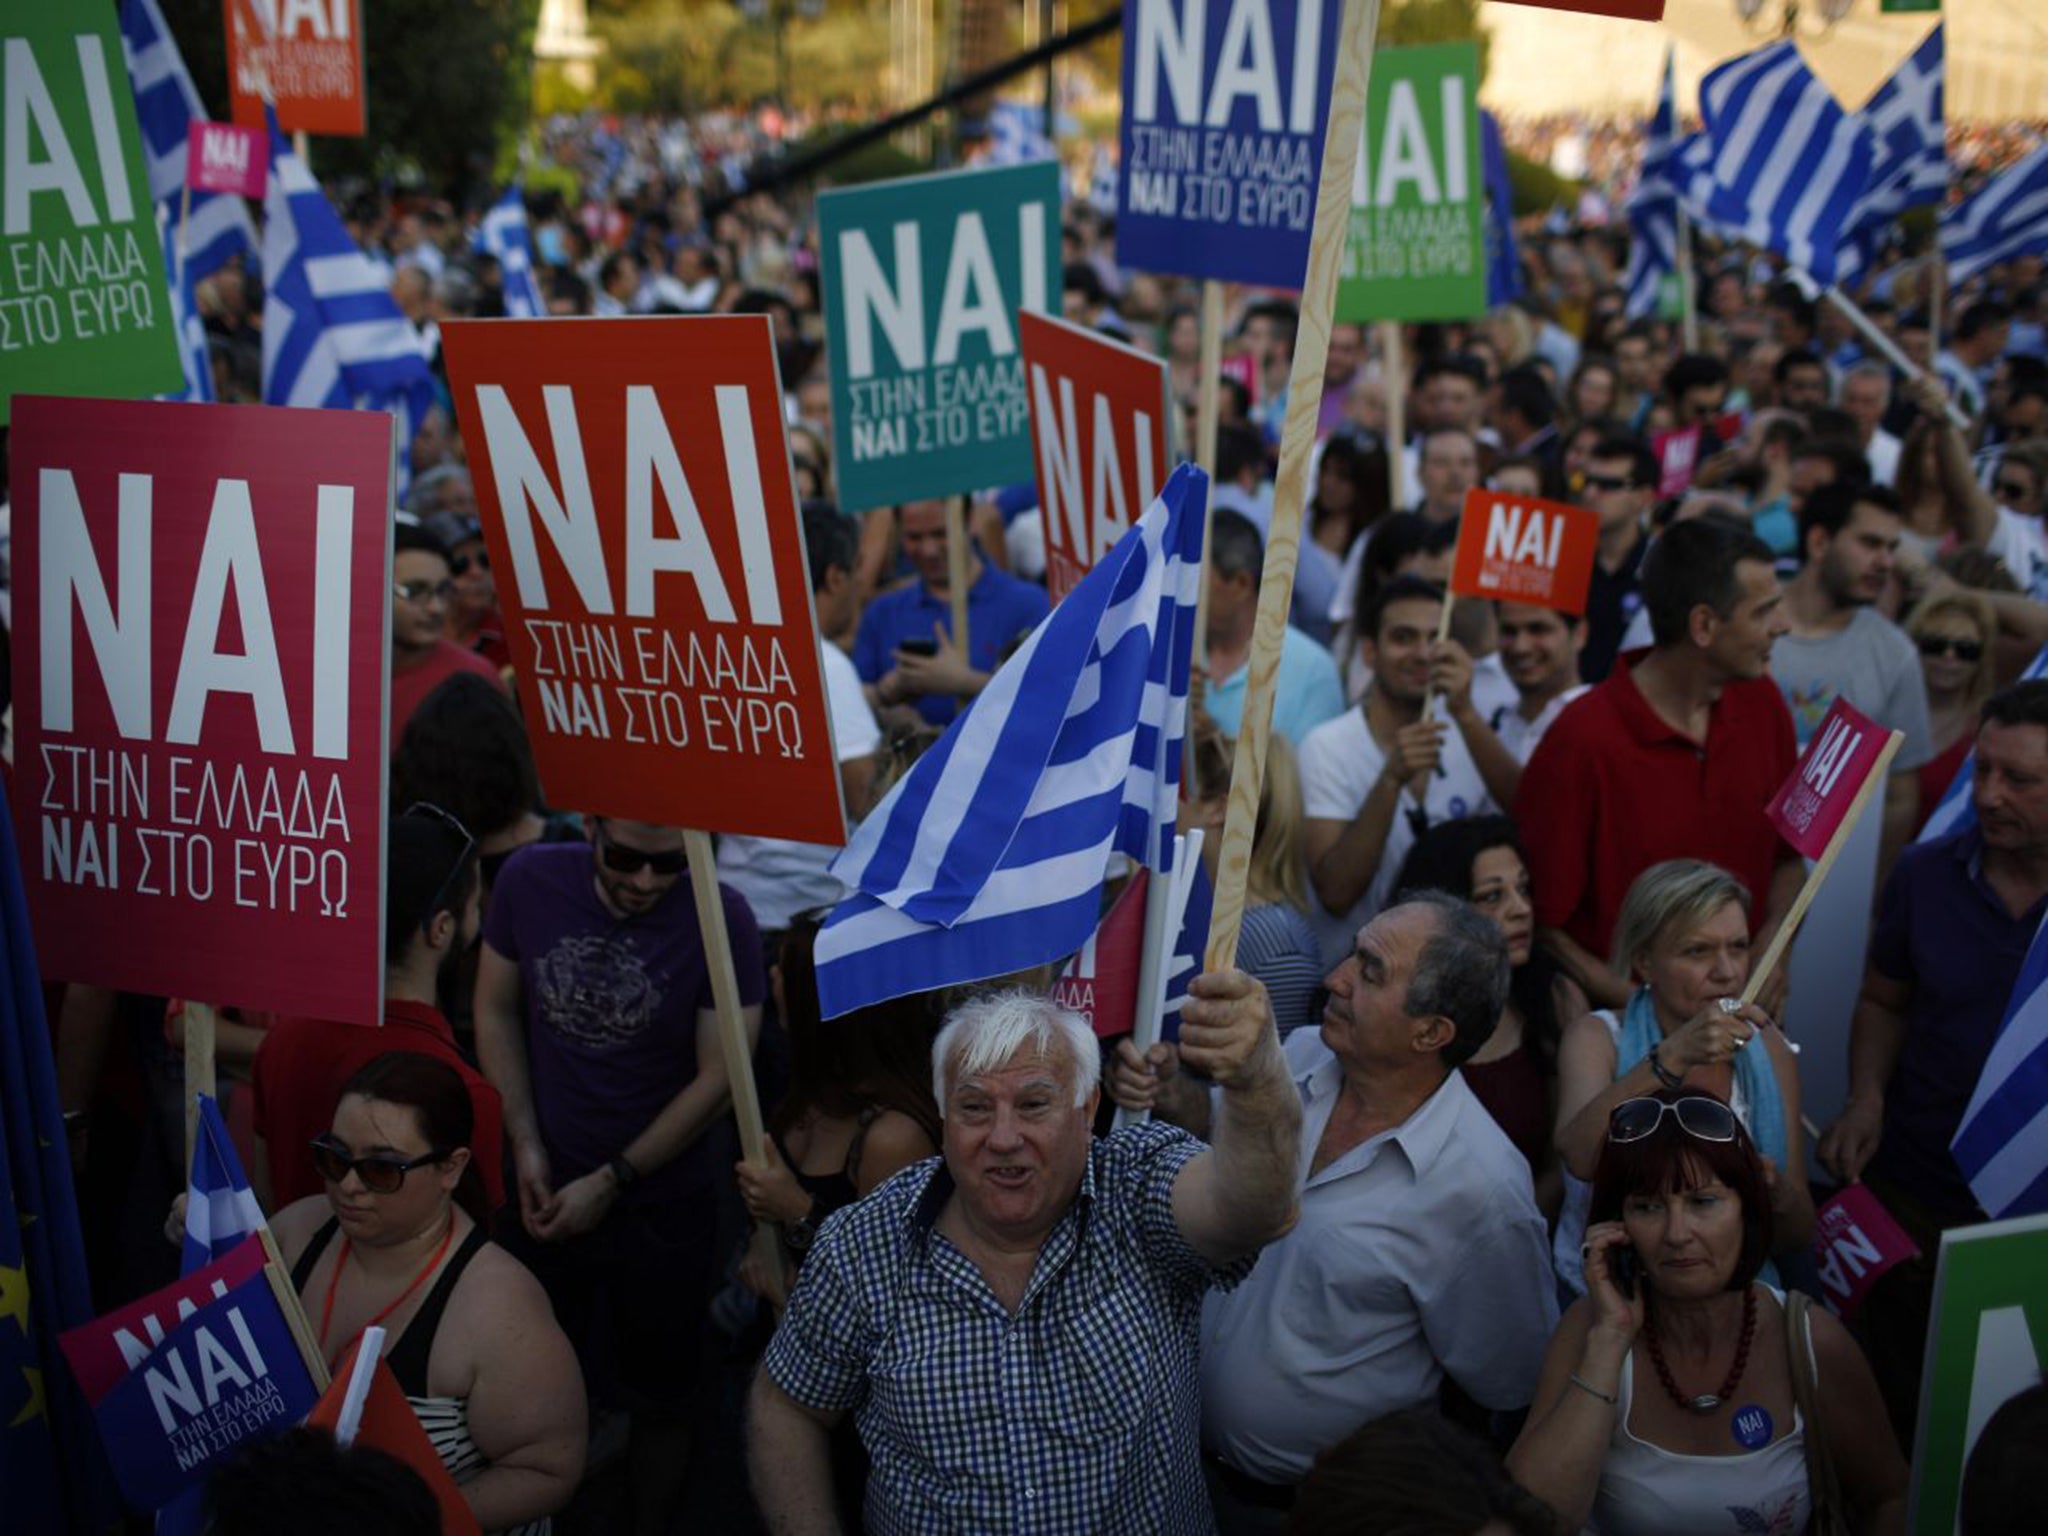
(1988, 1341)
(83, 306)
(923, 281)
(1894, 7)
(1416, 245)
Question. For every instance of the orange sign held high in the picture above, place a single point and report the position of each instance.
(305, 56)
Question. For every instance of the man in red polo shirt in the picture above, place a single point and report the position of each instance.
(430, 918)
(1674, 756)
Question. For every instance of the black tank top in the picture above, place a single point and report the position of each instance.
(408, 1357)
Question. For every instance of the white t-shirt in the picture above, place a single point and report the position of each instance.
(1339, 764)
(2021, 544)
(1520, 736)
(780, 878)
(1883, 453)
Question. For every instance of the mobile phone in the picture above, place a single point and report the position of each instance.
(1622, 1267)
(918, 647)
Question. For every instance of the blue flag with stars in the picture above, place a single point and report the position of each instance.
(50, 1469)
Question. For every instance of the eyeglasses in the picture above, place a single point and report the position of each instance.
(630, 861)
(424, 591)
(1594, 482)
(429, 811)
(380, 1173)
(460, 565)
(1947, 645)
(1703, 1119)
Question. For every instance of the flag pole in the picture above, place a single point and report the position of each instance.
(1304, 403)
(1393, 366)
(732, 1030)
(1207, 409)
(1688, 295)
(1782, 939)
(201, 1027)
(956, 568)
(1936, 289)
(1877, 338)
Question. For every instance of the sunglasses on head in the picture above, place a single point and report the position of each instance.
(630, 861)
(1945, 645)
(428, 811)
(380, 1172)
(1702, 1119)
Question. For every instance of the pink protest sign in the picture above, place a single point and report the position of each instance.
(225, 157)
(1678, 457)
(1855, 1241)
(1814, 803)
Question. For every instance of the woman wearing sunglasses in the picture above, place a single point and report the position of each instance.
(1954, 631)
(1668, 1404)
(398, 1242)
(1683, 935)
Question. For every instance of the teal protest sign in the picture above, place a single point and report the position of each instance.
(83, 306)
(1416, 245)
(1987, 1344)
(923, 281)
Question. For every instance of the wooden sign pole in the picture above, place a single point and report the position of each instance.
(1395, 371)
(732, 1028)
(1207, 410)
(956, 568)
(1782, 939)
(1688, 298)
(201, 1025)
(1304, 403)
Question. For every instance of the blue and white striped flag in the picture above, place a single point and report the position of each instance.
(1652, 208)
(1786, 165)
(2001, 1146)
(2007, 217)
(1017, 133)
(166, 106)
(504, 235)
(1956, 810)
(332, 334)
(193, 353)
(220, 1208)
(989, 856)
(1909, 149)
(1503, 257)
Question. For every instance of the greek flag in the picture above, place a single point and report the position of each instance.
(503, 235)
(1956, 810)
(2002, 1144)
(1017, 133)
(1784, 164)
(1909, 154)
(332, 334)
(1503, 259)
(1652, 208)
(989, 856)
(166, 106)
(191, 330)
(2007, 217)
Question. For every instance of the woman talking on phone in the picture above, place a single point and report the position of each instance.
(1680, 1396)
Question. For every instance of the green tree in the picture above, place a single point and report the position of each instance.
(1407, 22)
(686, 55)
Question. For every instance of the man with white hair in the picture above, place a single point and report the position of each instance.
(1866, 394)
(1014, 1323)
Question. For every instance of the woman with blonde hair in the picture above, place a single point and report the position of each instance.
(1683, 935)
(1955, 631)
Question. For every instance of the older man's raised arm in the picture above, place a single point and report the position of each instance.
(1242, 1193)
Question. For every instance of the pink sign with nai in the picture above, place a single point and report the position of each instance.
(225, 157)
(1855, 1240)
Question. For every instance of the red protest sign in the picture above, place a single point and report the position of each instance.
(105, 1350)
(306, 56)
(1627, 10)
(1816, 799)
(1098, 434)
(225, 157)
(202, 605)
(1519, 549)
(1101, 982)
(638, 504)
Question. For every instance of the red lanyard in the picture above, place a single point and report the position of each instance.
(334, 1281)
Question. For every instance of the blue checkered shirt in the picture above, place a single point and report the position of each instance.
(1079, 1414)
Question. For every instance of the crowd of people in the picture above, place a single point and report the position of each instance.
(1473, 1198)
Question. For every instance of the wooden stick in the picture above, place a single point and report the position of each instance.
(1689, 314)
(1394, 369)
(201, 1025)
(1304, 404)
(732, 1028)
(294, 1312)
(1208, 406)
(956, 568)
(184, 224)
(1936, 286)
(1782, 939)
(1443, 633)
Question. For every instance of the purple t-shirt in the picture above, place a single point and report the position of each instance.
(611, 1007)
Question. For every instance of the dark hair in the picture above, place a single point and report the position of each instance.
(407, 533)
(1789, 299)
(2021, 703)
(1833, 423)
(2005, 1481)
(1461, 974)
(1797, 357)
(1283, 315)
(1831, 507)
(428, 871)
(434, 1091)
(302, 1481)
(1238, 448)
(1413, 1473)
(1394, 539)
(465, 750)
(1442, 860)
(1234, 545)
(1527, 393)
(1691, 371)
(1401, 589)
(1693, 563)
(1845, 454)
(1670, 1160)
(1238, 390)
(1783, 429)
(1455, 363)
(829, 541)
(1642, 463)
(613, 265)
(1982, 316)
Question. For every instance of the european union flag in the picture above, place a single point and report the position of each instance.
(50, 1468)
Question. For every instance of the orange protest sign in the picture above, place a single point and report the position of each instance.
(306, 56)
(634, 484)
(1518, 549)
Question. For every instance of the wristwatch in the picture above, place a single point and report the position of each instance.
(624, 1174)
(798, 1235)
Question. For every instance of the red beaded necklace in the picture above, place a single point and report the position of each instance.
(1706, 1402)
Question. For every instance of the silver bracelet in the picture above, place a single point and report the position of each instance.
(1584, 1385)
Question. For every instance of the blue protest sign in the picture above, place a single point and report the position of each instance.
(228, 1375)
(1225, 102)
(923, 281)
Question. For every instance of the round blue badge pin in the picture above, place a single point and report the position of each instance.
(1751, 1427)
